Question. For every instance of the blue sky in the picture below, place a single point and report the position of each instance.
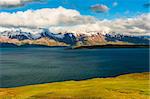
(120, 16)
(123, 8)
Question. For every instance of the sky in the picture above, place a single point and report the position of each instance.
(117, 8)
(73, 15)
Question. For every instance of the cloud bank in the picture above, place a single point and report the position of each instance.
(44, 18)
(15, 3)
(68, 20)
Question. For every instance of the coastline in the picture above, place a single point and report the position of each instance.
(128, 85)
(111, 46)
(11, 45)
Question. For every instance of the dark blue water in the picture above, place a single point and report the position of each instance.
(25, 66)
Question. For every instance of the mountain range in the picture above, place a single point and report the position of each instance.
(45, 37)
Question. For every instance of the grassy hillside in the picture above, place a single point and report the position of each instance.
(130, 86)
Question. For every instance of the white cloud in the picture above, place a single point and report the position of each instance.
(137, 25)
(14, 3)
(68, 20)
(44, 18)
(99, 8)
(84, 28)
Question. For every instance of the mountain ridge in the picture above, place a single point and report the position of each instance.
(45, 37)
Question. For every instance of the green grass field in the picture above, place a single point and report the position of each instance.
(130, 86)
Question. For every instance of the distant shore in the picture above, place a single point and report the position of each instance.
(135, 85)
(111, 46)
(11, 45)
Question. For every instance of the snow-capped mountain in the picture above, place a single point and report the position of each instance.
(20, 35)
(95, 38)
(67, 38)
(127, 38)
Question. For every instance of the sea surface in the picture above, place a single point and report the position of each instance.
(28, 66)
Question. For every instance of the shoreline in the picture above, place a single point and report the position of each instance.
(75, 80)
(134, 82)
(11, 45)
(111, 46)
